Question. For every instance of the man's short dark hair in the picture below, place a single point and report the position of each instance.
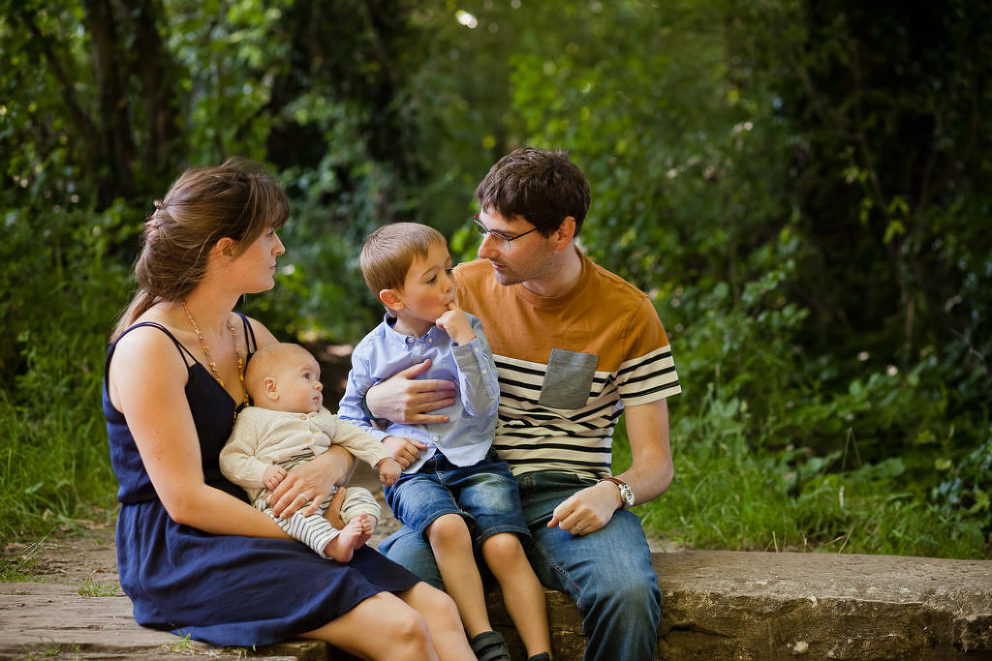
(542, 186)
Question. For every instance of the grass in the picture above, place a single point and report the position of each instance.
(91, 588)
(727, 495)
(55, 462)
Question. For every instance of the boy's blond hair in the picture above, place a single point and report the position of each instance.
(389, 252)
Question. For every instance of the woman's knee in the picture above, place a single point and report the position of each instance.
(435, 605)
(408, 635)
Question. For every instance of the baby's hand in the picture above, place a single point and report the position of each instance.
(273, 475)
(454, 322)
(389, 471)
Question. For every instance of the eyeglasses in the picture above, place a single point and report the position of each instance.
(507, 239)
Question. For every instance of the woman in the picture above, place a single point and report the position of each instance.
(193, 555)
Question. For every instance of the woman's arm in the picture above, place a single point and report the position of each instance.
(147, 382)
(312, 481)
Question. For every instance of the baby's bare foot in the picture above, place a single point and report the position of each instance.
(355, 533)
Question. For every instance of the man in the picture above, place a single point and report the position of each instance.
(575, 346)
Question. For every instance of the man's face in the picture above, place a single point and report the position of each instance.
(521, 260)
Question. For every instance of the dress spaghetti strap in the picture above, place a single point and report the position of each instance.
(183, 351)
(250, 343)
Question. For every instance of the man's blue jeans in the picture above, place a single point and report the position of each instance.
(608, 572)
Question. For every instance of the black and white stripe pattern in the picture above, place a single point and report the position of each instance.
(533, 437)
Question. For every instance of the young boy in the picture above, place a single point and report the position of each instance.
(286, 425)
(453, 490)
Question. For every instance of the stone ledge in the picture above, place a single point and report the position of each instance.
(727, 605)
(718, 605)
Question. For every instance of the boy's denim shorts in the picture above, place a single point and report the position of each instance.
(485, 494)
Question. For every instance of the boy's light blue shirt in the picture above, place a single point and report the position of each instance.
(466, 438)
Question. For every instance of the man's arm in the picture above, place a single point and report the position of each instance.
(649, 475)
(651, 470)
(404, 399)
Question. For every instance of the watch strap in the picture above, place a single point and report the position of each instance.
(621, 486)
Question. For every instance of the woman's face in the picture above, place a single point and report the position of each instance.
(257, 264)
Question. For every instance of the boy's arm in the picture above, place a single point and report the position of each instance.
(238, 462)
(356, 440)
(404, 450)
(350, 407)
(477, 376)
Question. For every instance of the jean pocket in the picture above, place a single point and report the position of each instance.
(568, 380)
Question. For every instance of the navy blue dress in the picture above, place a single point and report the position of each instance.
(223, 589)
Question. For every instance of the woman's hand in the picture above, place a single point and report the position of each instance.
(405, 399)
(311, 482)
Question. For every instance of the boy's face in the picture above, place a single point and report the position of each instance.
(427, 290)
(296, 385)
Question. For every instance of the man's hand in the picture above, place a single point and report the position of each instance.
(587, 510)
(404, 450)
(405, 399)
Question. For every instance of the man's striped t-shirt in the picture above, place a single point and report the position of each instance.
(568, 365)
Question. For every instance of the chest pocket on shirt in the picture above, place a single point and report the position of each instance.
(568, 380)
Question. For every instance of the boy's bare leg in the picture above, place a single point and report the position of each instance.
(355, 533)
(451, 542)
(522, 591)
(333, 512)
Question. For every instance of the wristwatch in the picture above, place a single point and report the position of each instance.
(626, 493)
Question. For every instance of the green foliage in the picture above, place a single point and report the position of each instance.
(61, 295)
(799, 186)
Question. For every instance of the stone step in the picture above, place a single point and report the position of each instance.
(718, 605)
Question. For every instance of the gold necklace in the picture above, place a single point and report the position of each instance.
(210, 359)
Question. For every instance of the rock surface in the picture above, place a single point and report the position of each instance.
(718, 605)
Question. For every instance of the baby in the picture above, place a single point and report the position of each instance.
(286, 425)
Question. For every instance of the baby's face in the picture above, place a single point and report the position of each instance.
(297, 385)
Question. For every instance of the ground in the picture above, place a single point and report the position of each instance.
(86, 556)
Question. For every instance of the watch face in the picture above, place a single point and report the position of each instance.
(628, 494)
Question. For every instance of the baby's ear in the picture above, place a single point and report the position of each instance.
(391, 299)
(270, 388)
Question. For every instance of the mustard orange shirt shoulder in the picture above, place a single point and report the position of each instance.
(568, 365)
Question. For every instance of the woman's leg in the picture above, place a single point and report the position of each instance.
(381, 627)
(441, 615)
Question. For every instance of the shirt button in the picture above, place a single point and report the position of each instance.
(303, 417)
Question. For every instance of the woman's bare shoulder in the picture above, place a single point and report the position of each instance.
(262, 334)
(146, 358)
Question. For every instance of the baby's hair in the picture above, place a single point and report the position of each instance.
(265, 362)
(390, 250)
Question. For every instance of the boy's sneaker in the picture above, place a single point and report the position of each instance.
(490, 646)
